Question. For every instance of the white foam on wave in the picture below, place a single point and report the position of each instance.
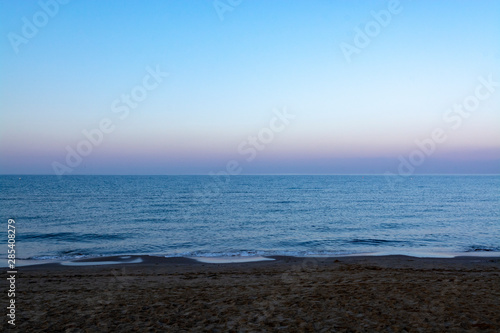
(27, 262)
(239, 256)
(228, 260)
(425, 254)
(93, 263)
(196, 254)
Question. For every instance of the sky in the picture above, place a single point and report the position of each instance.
(249, 87)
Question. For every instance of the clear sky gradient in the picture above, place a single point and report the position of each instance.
(231, 65)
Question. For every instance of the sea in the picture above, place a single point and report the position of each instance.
(69, 217)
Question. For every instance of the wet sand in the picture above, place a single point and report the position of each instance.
(347, 294)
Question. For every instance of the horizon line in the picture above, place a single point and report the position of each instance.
(262, 174)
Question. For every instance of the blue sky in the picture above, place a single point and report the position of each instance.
(357, 114)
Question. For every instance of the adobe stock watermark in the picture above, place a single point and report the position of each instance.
(223, 6)
(121, 107)
(363, 37)
(248, 149)
(453, 119)
(31, 26)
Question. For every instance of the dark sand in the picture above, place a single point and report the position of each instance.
(348, 294)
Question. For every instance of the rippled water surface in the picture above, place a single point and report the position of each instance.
(245, 215)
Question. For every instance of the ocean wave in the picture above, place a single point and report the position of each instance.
(479, 248)
(71, 237)
(81, 254)
(72, 255)
(371, 241)
(260, 253)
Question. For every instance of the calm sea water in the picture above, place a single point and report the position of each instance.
(247, 215)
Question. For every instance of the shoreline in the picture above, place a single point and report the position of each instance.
(357, 293)
(122, 258)
(389, 261)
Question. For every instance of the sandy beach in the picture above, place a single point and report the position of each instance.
(346, 294)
